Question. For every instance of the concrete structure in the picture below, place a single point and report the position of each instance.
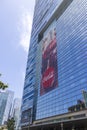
(56, 73)
(6, 99)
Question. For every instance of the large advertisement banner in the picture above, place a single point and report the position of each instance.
(49, 70)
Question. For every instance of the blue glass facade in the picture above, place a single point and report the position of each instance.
(30, 85)
(72, 63)
(3, 101)
(6, 99)
(28, 92)
(71, 35)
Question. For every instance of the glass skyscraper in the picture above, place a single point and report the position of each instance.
(56, 73)
(6, 99)
(16, 112)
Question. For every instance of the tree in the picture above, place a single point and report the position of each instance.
(11, 124)
(2, 85)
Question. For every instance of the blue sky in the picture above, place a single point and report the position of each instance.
(15, 28)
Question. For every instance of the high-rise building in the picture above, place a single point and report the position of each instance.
(17, 112)
(6, 99)
(56, 73)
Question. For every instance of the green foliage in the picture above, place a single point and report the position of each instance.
(2, 85)
(11, 124)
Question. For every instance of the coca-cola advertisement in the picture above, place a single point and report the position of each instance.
(49, 70)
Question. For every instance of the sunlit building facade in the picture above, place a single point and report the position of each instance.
(6, 99)
(16, 112)
(57, 65)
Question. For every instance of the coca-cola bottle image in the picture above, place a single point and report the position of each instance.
(49, 63)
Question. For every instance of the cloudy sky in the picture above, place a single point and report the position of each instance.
(15, 28)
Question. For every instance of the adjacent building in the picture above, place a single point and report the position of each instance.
(16, 112)
(6, 99)
(55, 88)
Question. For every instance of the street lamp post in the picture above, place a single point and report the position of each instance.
(29, 120)
(73, 128)
(61, 126)
(29, 124)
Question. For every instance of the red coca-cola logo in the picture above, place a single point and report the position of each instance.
(48, 78)
(49, 48)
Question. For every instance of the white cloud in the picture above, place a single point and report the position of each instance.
(25, 26)
(23, 75)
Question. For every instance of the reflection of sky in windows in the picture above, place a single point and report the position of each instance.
(72, 62)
